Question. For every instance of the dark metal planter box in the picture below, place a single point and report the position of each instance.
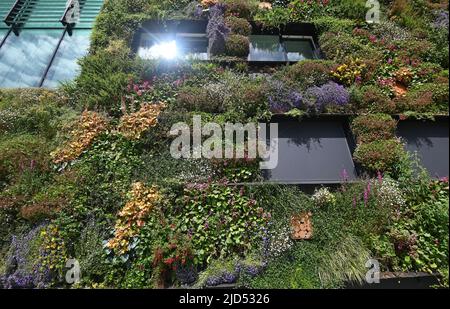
(400, 281)
(430, 140)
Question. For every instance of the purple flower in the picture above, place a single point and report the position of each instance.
(354, 202)
(282, 98)
(229, 277)
(441, 19)
(380, 178)
(366, 197)
(186, 274)
(19, 274)
(329, 94)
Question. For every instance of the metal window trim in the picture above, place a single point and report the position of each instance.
(5, 37)
(44, 75)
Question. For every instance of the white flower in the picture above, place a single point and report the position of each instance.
(323, 197)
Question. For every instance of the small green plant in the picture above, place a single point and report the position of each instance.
(238, 25)
(237, 45)
(372, 127)
(380, 155)
(222, 220)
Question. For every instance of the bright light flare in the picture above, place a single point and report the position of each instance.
(166, 50)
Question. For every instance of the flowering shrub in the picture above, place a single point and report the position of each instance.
(282, 98)
(53, 252)
(373, 99)
(380, 155)
(310, 73)
(277, 241)
(241, 8)
(87, 128)
(327, 96)
(203, 99)
(174, 255)
(134, 125)
(22, 261)
(404, 76)
(417, 237)
(219, 271)
(20, 154)
(323, 197)
(136, 94)
(441, 19)
(388, 31)
(132, 217)
(350, 72)
(388, 192)
(426, 98)
(221, 220)
(304, 10)
(372, 127)
(238, 25)
(237, 45)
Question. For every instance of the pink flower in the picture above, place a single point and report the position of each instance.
(380, 178)
(366, 197)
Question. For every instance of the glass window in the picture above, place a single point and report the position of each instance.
(65, 66)
(24, 58)
(298, 50)
(5, 6)
(430, 141)
(157, 45)
(312, 152)
(266, 48)
(193, 46)
(3, 33)
(172, 46)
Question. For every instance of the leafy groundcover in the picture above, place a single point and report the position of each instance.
(86, 173)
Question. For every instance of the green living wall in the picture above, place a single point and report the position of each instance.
(86, 173)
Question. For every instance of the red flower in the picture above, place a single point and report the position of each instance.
(169, 261)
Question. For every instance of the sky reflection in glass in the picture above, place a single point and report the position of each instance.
(266, 48)
(65, 66)
(298, 50)
(170, 46)
(24, 58)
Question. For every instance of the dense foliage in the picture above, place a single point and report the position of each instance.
(85, 170)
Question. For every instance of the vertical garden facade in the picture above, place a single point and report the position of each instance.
(91, 92)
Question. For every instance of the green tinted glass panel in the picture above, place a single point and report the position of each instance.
(24, 58)
(5, 6)
(42, 13)
(298, 50)
(89, 10)
(266, 48)
(64, 66)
